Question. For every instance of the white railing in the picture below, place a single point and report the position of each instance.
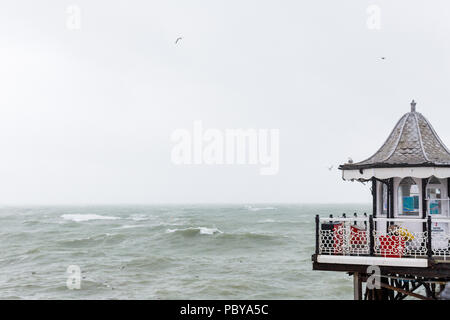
(440, 244)
(344, 236)
(399, 242)
(386, 237)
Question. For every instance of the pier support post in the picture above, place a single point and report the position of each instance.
(357, 286)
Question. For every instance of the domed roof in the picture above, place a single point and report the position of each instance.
(413, 142)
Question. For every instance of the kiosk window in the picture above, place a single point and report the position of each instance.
(408, 197)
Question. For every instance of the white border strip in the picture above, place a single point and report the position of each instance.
(374, 261)
(384, 173)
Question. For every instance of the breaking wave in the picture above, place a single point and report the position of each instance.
(195, 230)
(139, 217)
(86, 217)
(266, 221)
(250, 208)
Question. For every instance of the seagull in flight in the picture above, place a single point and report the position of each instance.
(330, 168)
(178, 39)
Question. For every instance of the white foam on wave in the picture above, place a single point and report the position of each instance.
(201, 230)
(139, 217)
(267, 221)
(209, 230)
(129, 226)
(250, 208)
(86, 217)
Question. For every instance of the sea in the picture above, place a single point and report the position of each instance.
(238, 251)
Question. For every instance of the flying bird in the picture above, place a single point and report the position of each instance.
(383, 58)
(330, 168)
(178, 39)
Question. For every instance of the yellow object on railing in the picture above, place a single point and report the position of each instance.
(405, 234)
(402, 232)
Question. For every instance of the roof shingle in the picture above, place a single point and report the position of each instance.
(412, 142)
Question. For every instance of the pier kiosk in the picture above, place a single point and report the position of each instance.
(407, 236)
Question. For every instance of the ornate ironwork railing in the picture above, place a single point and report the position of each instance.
(385, 237)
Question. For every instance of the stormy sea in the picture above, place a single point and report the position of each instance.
(254, 251)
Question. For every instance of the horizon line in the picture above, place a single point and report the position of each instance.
(179, 204)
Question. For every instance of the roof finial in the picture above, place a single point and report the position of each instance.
(413, 106)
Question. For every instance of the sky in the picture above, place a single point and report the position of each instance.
(87, 110)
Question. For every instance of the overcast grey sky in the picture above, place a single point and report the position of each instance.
(86, 115)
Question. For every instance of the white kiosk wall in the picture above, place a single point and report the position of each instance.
(382, 205)
(438, 208)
